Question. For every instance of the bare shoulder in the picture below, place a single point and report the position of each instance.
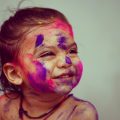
(84, 110)
(7, 107)
(3, 102)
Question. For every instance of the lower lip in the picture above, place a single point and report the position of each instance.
(65, 79)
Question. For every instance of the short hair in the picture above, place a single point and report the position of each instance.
(13, 31)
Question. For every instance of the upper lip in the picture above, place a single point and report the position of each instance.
(67, 74)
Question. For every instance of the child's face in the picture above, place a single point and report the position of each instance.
(49, 59)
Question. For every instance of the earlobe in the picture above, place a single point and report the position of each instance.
(12, 74)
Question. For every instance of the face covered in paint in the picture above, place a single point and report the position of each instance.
(49, 59)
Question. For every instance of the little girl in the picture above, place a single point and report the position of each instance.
(40, 67)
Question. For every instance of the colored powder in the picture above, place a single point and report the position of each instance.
(41, 71)
(64, 26)
(51, 83)
(39, 40)
(62, 41)
(34, 83)
(68, 60)
(38, 79)
(79, 70)
(62, 46)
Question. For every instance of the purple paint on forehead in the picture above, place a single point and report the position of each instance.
(61, 42)
(62, 39)
(62, 46)
(68, 60)
(39, 40)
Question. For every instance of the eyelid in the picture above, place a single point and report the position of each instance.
(47, 53)
(74, 48)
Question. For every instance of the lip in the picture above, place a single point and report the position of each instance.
(65, 75)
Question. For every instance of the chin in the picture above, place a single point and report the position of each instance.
(63, 90)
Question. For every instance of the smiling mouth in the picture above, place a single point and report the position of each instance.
(64, 76)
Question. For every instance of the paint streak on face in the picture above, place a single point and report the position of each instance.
(41, 71)
(63, 26)
(39, 40)
(36, 84)
(38, 80)
(79, 71)
(61, 42)
(68, 60)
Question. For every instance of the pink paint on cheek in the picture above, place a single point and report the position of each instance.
(30, 56)
(79, 70)
(51, 83)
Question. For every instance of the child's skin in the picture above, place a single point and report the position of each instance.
(48, 68)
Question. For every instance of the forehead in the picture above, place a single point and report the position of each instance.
(51, 34)
(54, 29)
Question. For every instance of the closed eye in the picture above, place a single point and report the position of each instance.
(47, 54)
(73, 51)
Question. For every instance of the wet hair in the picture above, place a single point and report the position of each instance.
(12, 34)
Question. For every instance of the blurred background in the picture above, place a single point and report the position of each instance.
(96, 26)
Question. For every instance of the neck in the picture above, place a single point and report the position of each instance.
(41, 102)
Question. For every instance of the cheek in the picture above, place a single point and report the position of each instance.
(40, 71)
(79, 69)
(40, 79)
(34, 67)
(36, 74)
(37, 79)
(50, 67)
(27, 64)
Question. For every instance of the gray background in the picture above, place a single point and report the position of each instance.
(96, 25)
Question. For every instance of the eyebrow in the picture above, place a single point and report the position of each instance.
(52, 47)
(73, 44)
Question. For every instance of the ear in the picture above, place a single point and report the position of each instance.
(12, 74)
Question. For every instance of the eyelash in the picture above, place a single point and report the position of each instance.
(47, 54)
(73, 51)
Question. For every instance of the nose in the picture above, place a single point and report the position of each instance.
(64, 62)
